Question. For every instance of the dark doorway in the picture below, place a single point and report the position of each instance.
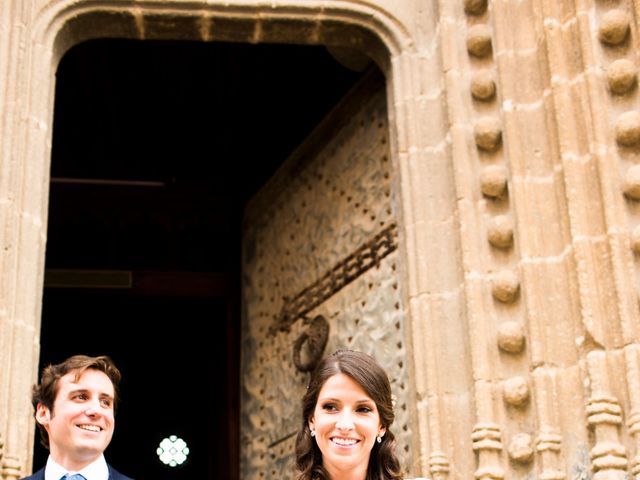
(157, 147)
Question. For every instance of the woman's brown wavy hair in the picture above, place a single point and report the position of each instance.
(365, 371)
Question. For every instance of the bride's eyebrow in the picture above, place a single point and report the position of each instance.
(328, 399)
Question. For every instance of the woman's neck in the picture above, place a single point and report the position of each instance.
(358, 473)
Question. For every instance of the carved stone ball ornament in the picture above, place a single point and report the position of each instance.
(500, 232)
(483, 85)
(505, 286)
(511, 337)
(614, 27)
(628, 128)
(479, 41)
(635, 240)
(488, 133)
(632, 183)
(493, 181)
(315, 338)
(516, 391)
(520, 448)
(621, 76)
(475, 7)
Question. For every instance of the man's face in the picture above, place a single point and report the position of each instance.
(81, 423)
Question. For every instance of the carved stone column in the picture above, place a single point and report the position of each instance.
(11, 468)
(604, 416)
(548, 445)
(632, 361)
(548, 441)
(487, 442)
(438, 466)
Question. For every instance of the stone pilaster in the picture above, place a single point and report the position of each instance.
(604, 416)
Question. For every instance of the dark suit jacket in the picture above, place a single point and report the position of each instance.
(113, 475)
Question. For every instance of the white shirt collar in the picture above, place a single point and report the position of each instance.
(97, 470)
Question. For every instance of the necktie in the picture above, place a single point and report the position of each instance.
(75, 476)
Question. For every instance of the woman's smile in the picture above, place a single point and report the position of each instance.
(344, 442)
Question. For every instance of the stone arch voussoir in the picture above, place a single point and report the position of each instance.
(366, 29)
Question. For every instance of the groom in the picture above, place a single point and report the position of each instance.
(75, 405)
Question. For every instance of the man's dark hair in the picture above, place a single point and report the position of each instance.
(45, 392)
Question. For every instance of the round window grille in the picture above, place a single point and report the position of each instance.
(173, 451)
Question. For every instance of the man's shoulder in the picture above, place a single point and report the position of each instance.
(116, 475)
(39, 475)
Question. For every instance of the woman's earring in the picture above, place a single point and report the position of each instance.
(312, 433)
(379, 439)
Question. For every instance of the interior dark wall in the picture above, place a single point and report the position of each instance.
(208, 122)
(157, 146)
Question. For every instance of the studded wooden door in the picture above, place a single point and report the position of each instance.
(320, 272)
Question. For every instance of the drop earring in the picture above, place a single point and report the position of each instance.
(379, 439)
(312, 433)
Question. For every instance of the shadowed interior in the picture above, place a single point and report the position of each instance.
(157, 147)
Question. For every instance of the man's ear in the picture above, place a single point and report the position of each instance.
(43, 414)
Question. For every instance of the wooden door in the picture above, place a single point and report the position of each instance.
(321, 271)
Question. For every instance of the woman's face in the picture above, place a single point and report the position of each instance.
(346, 423)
